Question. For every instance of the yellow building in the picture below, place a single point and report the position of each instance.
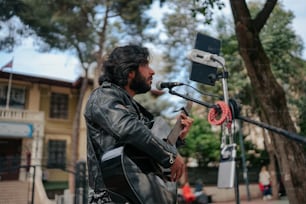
(36, 120)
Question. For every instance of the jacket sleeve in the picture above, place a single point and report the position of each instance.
(118, 116)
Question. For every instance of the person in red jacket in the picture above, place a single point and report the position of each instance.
(188, 194)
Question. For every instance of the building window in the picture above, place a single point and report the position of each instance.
(17, 97)
(59, 106)
(56, 154)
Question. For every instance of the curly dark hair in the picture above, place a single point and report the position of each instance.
(121, 62)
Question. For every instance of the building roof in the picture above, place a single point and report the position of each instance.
(44, 80)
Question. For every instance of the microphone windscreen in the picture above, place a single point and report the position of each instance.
(158, 85)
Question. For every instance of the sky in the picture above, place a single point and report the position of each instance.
(62, 66)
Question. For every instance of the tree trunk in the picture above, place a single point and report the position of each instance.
(75, 132)
(272, 101)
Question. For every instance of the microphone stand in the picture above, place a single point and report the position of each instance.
(228, 171)
(235, 110)
(236, 115)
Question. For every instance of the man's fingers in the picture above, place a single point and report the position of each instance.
(176, 175)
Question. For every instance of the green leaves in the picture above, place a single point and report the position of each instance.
(202, 143)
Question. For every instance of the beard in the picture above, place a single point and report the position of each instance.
(139, 84)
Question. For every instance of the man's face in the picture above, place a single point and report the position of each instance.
(142, 81)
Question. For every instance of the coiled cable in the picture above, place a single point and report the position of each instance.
(217, 116)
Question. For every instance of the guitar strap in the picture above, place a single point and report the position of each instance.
(144, 114)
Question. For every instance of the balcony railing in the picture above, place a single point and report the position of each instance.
(21, 115)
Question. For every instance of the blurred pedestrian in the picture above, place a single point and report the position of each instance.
(265, 183)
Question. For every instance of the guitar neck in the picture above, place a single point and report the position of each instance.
(175, 132)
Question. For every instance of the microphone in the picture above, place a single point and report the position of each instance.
(161, 85)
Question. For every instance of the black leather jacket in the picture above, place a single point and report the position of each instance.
(114, 118)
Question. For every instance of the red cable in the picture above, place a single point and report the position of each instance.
(214, 118)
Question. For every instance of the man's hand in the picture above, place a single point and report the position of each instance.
(178, 168)
(186, 124)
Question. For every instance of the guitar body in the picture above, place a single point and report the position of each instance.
(132, 174)
(139, 184)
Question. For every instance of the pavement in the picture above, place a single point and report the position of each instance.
(227, 196)
(282, 200)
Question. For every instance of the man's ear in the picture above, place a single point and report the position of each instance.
(131, 74)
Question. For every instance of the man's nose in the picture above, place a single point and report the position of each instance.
(152, 71)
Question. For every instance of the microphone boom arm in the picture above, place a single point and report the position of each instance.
(207, 105)
(290, 135)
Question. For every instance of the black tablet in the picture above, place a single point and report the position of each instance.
(201, 72)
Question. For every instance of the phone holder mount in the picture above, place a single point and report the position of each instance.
(207, 68)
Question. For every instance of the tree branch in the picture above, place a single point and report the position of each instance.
(262, 16)
(240, 12)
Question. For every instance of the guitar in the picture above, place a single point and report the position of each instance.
(141, 180)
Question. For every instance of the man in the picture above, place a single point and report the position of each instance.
(115, 119)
